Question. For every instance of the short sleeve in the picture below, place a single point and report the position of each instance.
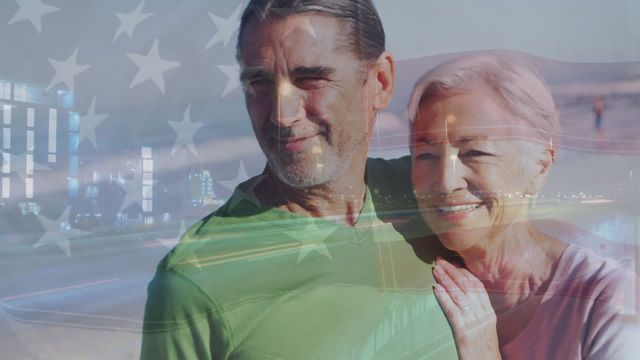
(614, 332)
(181, 321)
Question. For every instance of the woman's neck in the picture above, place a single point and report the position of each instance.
(513, 264)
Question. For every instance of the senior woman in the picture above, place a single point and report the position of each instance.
(481, 140)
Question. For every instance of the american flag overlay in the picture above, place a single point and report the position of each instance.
(123, 122)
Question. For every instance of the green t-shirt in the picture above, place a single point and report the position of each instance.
(255, 282)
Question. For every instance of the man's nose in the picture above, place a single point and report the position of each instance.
(450, 176)
(288, 105)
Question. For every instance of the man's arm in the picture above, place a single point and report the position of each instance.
(181, 321)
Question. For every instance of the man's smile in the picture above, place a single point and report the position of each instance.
(298, 143)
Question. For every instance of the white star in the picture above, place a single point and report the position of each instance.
(151, 67)
(66, 71)
(129, 22)
(57, 235)
(226, 27)
(170, 243)
(89, 122)
(233, 77)
(19, 165)
(240, 178)
(132, 188)
(185, 130)
(301, 23)
(312, 238)
(32, 10)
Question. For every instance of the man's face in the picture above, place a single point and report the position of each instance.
(307, 98)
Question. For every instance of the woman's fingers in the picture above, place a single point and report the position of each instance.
(450, 309)
(473, 337)
(464, 288)
(459, 275)
(450, 286)
(475, 285)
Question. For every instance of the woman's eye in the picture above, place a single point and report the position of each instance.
(475, 153)
(426, 156)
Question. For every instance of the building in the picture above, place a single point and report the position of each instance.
(40, 131)
(147, 184)
(201, 189)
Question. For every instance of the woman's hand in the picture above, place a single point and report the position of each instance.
(466, 304)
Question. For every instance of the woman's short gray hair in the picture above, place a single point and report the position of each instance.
(518, 87)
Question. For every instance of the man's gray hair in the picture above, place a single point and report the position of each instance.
(364, 34)
(518, 87)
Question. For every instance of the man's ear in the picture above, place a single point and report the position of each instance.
(544, 159)
(384, 76)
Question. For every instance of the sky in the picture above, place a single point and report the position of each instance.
(572, 31)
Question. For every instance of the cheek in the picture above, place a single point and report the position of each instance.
(259, 108)
(344, 104)
(320, 103)
(494, 179)
(420, 177)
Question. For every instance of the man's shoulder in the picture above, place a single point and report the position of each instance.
(241, 225)
(217, 236)
(389, 182)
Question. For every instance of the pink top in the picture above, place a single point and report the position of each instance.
(588, 312)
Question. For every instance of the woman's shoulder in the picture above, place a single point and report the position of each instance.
(581, 272)
(605, 290)
(585, 264)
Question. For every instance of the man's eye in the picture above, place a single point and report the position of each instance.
(308, 82)
(260, 83)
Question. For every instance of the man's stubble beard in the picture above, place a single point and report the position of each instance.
(302, 170)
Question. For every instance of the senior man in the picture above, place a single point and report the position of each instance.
(321, 255)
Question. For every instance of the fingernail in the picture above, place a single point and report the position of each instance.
(437, 269)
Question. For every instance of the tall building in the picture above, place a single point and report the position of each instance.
(208, 195)
(147, 184)
(39, 126)
(201, 188)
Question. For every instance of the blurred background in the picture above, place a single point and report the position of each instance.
(123, 122)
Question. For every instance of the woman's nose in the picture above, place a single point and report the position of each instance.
(449, 177)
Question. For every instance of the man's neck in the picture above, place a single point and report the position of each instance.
(342, 199)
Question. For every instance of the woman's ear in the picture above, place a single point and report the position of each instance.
(543, 160)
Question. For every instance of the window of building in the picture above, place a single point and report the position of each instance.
(53, 130)
(6, 187)
(20, 92)
(74, 121)
(6, 114)
(74, 142)
(5, 89)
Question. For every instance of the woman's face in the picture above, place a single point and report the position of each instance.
(471, 168)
